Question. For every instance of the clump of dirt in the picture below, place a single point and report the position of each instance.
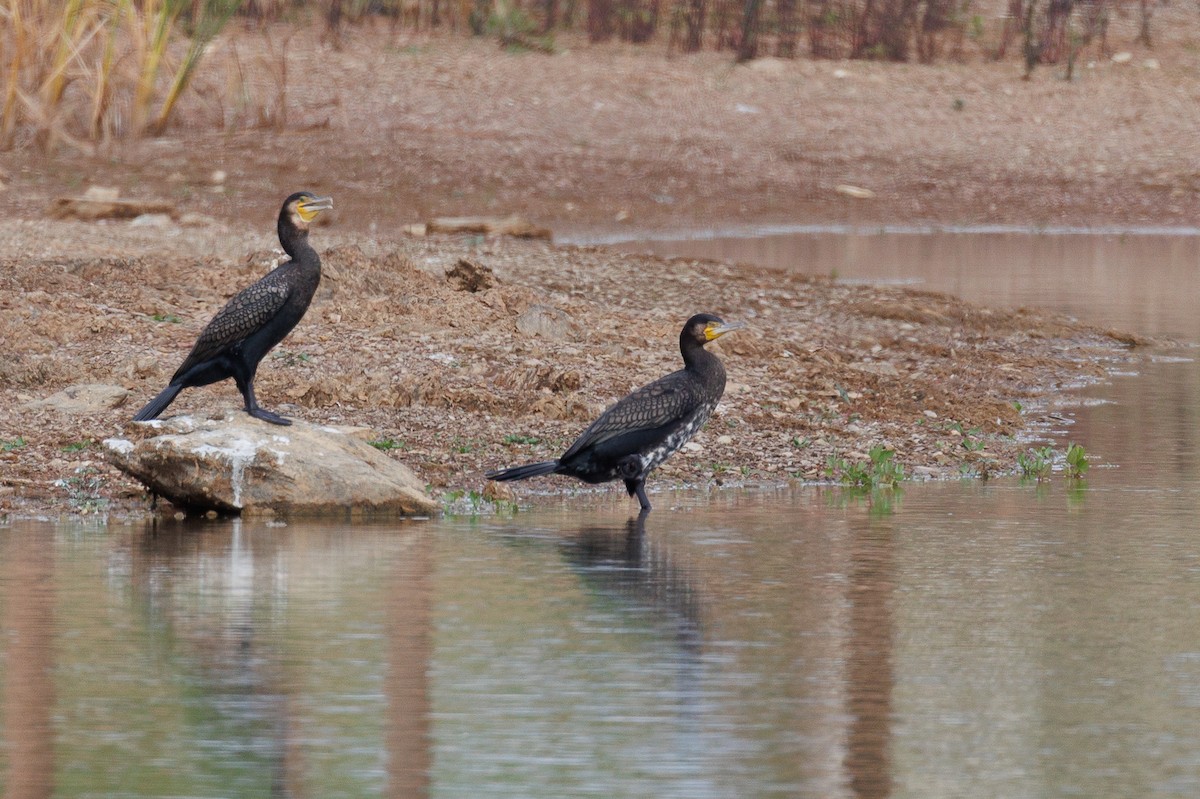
(394, 342)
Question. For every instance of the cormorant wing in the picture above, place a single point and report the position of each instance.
(650, 407)
(250, 310)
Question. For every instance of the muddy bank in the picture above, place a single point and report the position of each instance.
(440, 371)
(403, 127)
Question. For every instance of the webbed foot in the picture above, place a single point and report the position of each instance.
(267, 416)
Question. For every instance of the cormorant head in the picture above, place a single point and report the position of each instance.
(704, 327)
(301, 208)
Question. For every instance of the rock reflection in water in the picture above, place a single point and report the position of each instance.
(225, 598)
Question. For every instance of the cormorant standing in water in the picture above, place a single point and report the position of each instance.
(256, 319)
(642, 430)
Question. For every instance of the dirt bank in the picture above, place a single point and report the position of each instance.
(443, 374)
(400, 129)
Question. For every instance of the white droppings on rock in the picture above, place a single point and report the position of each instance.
(239, 455)
(121, 446)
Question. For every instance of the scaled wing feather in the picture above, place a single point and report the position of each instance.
(650, 407)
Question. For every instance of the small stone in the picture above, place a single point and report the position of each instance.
(692, 446)
(930, 414)
(151, 220)
(1123, 57)
(418, 230)
(857, 192)
(724, 440)
(217, 177)
(547, 322)
(82, 398)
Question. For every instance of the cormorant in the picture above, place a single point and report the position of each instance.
(645, 428)
(256, 319)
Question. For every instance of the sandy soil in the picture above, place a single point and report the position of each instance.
(402, 129)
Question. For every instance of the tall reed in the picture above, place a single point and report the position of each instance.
(87, 70)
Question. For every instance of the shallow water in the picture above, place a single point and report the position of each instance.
(963, 639)
(1133, 280)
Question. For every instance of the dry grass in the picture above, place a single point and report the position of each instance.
(91, 70)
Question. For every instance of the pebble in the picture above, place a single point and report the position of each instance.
(724, 440)
(857, 192)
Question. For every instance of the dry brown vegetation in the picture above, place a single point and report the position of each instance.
(83, 72)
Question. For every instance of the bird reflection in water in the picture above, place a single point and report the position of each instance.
(623, 562)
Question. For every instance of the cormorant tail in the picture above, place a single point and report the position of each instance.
(523, 472)
(159, 404)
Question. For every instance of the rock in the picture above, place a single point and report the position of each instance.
(417, 230)
(724, 440)
(468, 275)
(240, 464)
(547, 322)
(857, 192)
(882, 368)
(515, 226)
(1123, 57)
(82, 398)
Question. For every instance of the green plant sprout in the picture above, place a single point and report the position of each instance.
(1077, 462)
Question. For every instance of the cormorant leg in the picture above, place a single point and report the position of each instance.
(640, 490)
(252, 407)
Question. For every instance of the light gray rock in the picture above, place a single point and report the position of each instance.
(82, 398)
(547, 322)
(240, 464)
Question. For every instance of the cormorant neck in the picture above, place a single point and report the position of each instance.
(294, 241)
(696, 358)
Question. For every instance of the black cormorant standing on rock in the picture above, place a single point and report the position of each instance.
(642, 430)
(256, 319)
